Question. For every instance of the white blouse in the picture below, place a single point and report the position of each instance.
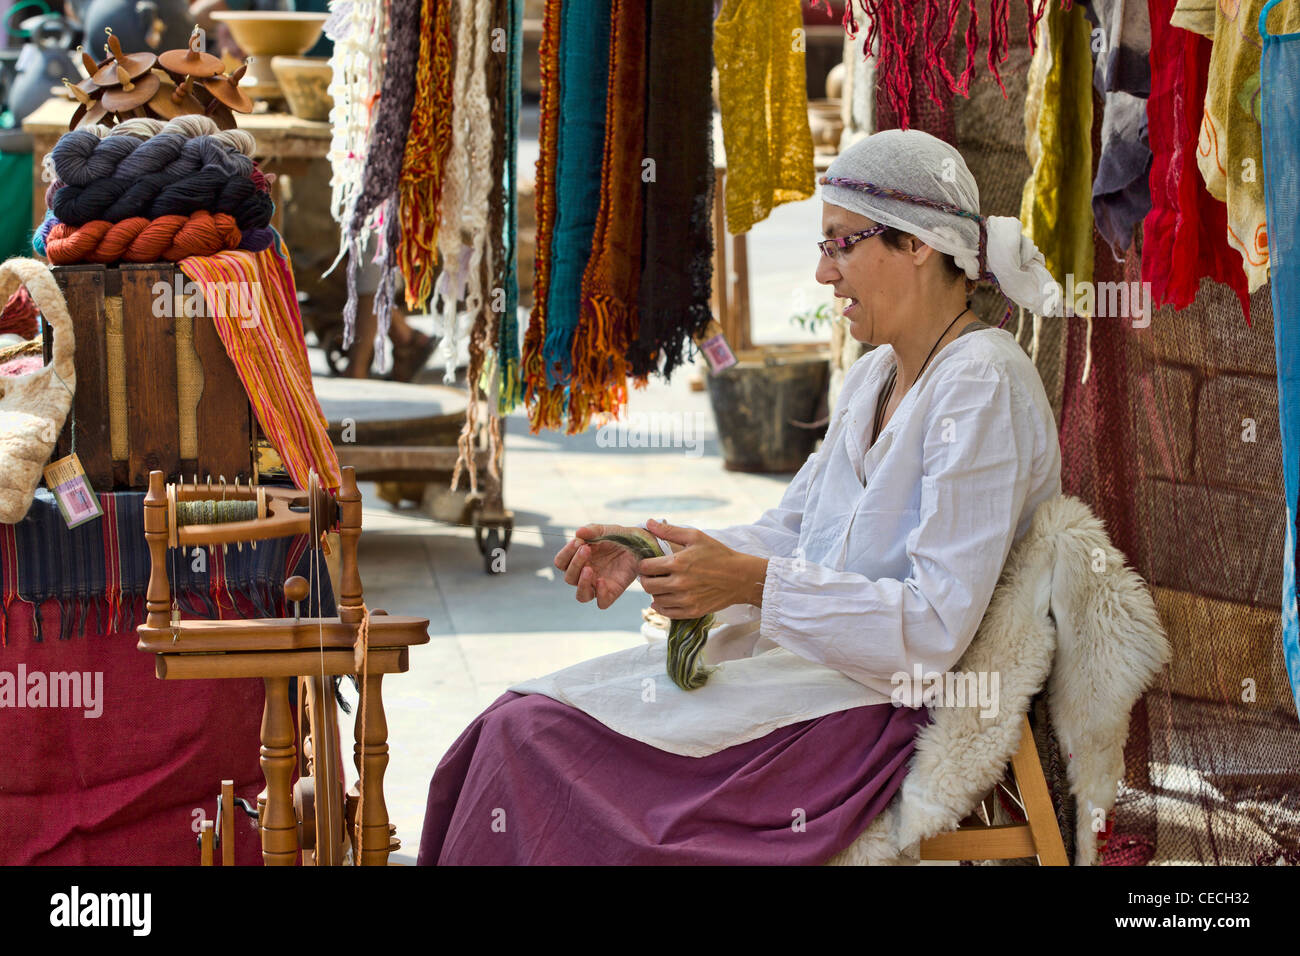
(881, 558)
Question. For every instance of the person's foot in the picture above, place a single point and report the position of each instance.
(411, 356)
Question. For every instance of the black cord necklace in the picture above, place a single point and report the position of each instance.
(893, 377)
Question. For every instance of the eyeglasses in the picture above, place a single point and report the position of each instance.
(841, 244)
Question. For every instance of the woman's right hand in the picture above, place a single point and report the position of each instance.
(601, 569)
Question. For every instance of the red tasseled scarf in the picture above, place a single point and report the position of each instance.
(893, 24)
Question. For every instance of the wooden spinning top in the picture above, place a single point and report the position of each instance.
(226, 90)
(133, 91)
(91, 67)
(90, 109)
(221, 115)
(192, 62)
(173, 99)
(133, 64)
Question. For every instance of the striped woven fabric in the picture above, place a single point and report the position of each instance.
(254, 305)
(92, 579)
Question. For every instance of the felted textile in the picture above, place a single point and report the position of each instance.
(1280, 116)
(673, 300)
(1229, 148)
(1056, 207)
(1185, 235)
(270, 355)
(763, 102)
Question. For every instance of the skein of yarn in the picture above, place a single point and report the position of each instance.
(170, 238)
(81, 160)
(211, 188)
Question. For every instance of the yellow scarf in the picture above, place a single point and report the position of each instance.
(758, 47)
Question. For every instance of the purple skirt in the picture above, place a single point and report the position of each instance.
(535, 781)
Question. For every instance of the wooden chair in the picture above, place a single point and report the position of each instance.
(1039, 836)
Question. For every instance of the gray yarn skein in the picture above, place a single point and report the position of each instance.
(80, 158)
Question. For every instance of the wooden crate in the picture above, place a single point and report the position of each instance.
(153, 390)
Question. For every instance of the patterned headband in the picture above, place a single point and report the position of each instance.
(937, 204)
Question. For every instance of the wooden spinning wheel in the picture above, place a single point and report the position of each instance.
(312, 814)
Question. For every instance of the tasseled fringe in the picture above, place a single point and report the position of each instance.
(599, 362)
(892, 25)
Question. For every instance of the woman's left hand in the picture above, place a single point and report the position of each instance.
(702, 577)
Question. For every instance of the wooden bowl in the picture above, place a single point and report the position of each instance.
(305, 83)
(263, 34)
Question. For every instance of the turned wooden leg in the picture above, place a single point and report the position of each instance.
(227, 823)
(158, 597)
(278, 823)
(371, 753)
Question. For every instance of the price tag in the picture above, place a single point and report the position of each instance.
(77, 500)
(715, 348)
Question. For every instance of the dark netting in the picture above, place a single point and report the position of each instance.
(1174, 442)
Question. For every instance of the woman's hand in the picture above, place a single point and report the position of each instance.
(702, 577)
(600, 570)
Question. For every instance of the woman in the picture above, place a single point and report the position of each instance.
(877, 565)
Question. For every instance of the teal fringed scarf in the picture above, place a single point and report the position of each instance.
(584, 78)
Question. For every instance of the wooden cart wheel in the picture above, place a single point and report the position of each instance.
(318, 792)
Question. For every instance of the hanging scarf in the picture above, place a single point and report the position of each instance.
(462, 241)
(1229, 146)
(383, 165)
(763, 102)
(894, 27)
(1121, 194)
(673, 301)
(356, 28)
(1184, 237)
(507, 341)
(1280, 115)
(270, 355)
(1056, 206)
(931, 114)
(607, 321)
(423, 161)
(536, 391)
(583, 79)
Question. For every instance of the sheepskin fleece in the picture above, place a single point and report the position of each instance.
(33, 407)
(1067, 614)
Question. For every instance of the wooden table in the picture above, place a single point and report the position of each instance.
(285, 145)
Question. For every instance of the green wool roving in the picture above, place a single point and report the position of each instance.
(686, 637)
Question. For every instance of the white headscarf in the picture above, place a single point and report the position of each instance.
(916, 163)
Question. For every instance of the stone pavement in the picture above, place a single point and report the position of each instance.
(490, 631)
